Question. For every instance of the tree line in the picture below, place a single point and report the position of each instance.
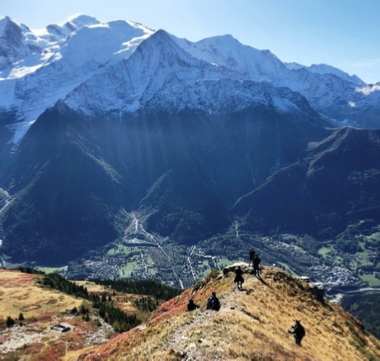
(108, 311)
(141, 287)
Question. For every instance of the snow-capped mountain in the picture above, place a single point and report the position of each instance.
(344, 98)
(127, 124)
(326, 69)
(180, 81)
(41, 67)
(253, 64)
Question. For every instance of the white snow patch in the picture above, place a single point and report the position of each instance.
(369, 89)
(19, 130)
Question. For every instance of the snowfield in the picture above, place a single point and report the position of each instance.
(96, 68)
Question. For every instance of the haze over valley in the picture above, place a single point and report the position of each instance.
(129, 152)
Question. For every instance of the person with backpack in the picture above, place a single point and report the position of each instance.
(213, 302)
(256, 265)
(239, 280)
(298, 331)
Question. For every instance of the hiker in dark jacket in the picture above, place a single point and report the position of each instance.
(213, 302)
(191, 306)
(298, 331)
(239, 280)
(256, 265)
(251, 257)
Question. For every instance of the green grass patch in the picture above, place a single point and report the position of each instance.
(370, 279)
(223, 262)
(149, 259)
(362, 259)
(325, 251)
(375, 237)
(52, 269)
(288, 269)
(120, 249)
(152, 272)
(128, 268)
(338, 261)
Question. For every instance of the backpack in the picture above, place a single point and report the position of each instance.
(213, 304)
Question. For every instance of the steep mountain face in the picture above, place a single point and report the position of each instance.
(41, 67)
(346, 99)
(12, 40)
(326, 69)
(177, 149)
(76, 176)
(336, 183)
(183, 139)
(38, 67)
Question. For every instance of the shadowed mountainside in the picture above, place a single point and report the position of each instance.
(77, 176)
(336, 183)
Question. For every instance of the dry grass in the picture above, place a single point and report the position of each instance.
(92, 287)
(124, 301)
(41, 308)
(252, 325)
(21, 295)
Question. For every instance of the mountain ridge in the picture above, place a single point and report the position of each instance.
(258, 316)
(341, 98)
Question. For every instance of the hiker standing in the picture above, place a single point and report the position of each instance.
(213, 302)
(239, 280)
(256, 265)
(251, 257)
(298, 331)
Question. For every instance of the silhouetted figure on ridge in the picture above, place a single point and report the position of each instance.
(298, 331)
(191, 306)
(239, 280)
(213, 302)
(256, 265)
(251, 257)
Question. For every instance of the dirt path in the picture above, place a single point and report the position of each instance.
(202, 322)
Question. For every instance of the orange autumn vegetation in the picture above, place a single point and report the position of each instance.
(251, 325)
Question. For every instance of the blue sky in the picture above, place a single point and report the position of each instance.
(342, 33)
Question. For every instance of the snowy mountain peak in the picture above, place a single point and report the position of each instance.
(254, 64)
(161, 40)
(10, 31)
(82, 20)
(39, 67)
(161, 76)
(13, 46)
(3, 23)
(326, 69)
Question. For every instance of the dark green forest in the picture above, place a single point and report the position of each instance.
(108, 310)
(366, 308)
(142, 287)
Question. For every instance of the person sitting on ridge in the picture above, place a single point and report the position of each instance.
(239, 280)
(298, 331)
(191, 306)
(213, 302)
